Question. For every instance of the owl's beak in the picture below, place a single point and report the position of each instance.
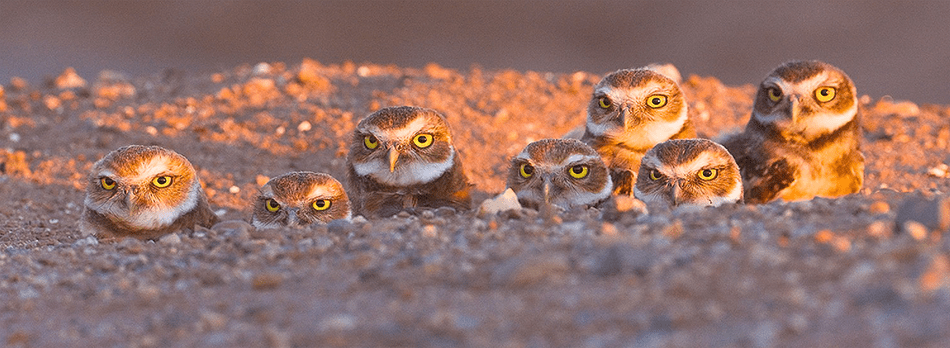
(796, 108)
(624, 116)
(677, 193)
(292, 217)
(393, 156)
(547, 191)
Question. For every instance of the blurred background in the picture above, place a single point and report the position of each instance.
(896, 48)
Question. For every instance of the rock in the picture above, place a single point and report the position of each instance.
(69, 79)
(266, 281)
(506, 201)
(170, 239)
(89, 240)
(915, 229)
(668, 70)
(529, 270)
(236, 228)
(934, 214)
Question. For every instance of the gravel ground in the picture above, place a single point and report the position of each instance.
(870, 269)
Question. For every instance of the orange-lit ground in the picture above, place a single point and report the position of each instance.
(820, 273)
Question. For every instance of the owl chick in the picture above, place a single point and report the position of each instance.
(563, 172)
(143, 192)
(403, 158)
(803, 139)
(630, 111)
(689, 172)
(300, 198)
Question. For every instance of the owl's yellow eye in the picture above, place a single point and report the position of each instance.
(579, 171)
(656, 101)
(271, 205)
(107, 183)
(423, 140)
(708, 174)
(162, 181)
(321, 204)
(774, 94)
(825, 94)
(370, 142)
(604, 102)
(655, 175)
(527, 170)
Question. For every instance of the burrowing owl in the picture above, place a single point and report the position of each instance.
(300, 198)
(803, 139)
(143, 192)
(403, 158)
(563, 172)
(630, 111)
(689, 172)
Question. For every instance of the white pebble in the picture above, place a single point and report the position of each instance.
(304, 126)
(234, 189)
(14, 137)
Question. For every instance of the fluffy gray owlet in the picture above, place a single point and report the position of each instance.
(804, 138)
(563, 172)
(300, 198)
(143, 192)
(403, 158)
(630, 111)
(689, 172)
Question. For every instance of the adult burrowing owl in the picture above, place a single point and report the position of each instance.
(403, 158)
(563, 172)
(689, 172)
(630, 111)
(143, 192)
(300, 198)
(803, 139)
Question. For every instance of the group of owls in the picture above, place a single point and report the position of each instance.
(801, 141)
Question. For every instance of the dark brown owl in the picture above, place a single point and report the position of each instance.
(630, 111)
(402, 158)
(143, 192)
(804, 137)
(300, 198)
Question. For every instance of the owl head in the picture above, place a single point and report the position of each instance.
(562, 172)
(402, 146)
(142, 187)
(688, 172)
(300, 198)
(805, 99)
(639, 106)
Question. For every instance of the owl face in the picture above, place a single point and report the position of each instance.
(641, 107)
(300, 198)
(806, 98)
(142, 187)
(563, 172)
(689, 172)
(402, 146)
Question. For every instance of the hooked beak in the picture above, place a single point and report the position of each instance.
(292, 217)
(547, 191)
(393, 156)
(677, 193)
(795, 105)
(624, 116)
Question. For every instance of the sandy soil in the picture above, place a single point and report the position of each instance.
(842, 272)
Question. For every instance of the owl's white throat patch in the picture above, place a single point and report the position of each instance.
(407, 173)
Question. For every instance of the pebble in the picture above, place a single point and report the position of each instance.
(69, 79)
(304, 126)
(934, 214)
(170, 239)
(266, 281)
(915, 229)
(239, 228)
(506, 201)
(89, 240)
(525, 271)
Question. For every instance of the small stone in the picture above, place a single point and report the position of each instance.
(915, 229)
(261, 69)
(170, 239)
(261, 180)
(879, 207)
(69, 79)
(211, 321)
(506, 201)
(234, 189)
(529, 270)
(266, 281)
(608, 229)
(430, 231)
(625, 203)
(934, 214)
(89, 240)
(237, 229)
(879, 229)
(937, 274)
(304, 126)
(14, 137)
